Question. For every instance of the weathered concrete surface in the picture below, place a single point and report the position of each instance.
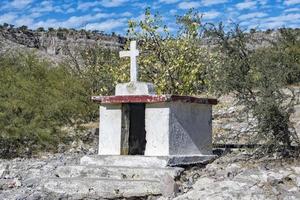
(110, 129)
(157, 117)
(125, 161)
(190, 129)
(116, 172)
(135, 88)
(179, 129)
(78, 188)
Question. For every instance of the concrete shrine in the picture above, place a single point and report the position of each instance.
(143, 139)
(137, 122)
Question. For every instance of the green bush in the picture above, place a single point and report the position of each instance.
(175, 63)
(36, 101)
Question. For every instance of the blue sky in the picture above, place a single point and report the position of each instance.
(113, 15)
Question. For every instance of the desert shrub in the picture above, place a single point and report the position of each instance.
(259, 78)
(289, 45)
(175, 63)
(36, 101)
(102, 69)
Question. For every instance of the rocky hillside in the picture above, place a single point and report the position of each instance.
(54, 43)
(233, 125)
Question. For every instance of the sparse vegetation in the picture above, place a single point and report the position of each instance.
(259, 78)
(36, 101)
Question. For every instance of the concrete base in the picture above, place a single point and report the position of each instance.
(189, 160)
(135, 88)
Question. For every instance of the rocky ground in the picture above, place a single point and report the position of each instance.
(234, 175)
(22, 178)
(237, 176)
(231, 176)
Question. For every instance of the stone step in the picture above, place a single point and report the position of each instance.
(125, 161)
(144, 161)
(116, 172)
(90, 188)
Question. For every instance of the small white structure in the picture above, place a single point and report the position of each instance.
(137, 122)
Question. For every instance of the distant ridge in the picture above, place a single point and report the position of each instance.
(55, 42)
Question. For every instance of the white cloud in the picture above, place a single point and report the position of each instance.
(168, 1)
(140, 5)
(113, 3)
(70, 10)
(107, 25)
(87, 5)
(291, 2)
(213, 2)
(288, 20)
(24, 21)
(246, 5)
(126, 14)
(76, 21)
(281, 20)
(72, 22)
(287, 17)
(46, 24)
(292, 10)
(252, 15)
(19, 4)
(211, 14)
(173, 11)
(46, 7)
(97, 9)
(188, 5)
(8, 18)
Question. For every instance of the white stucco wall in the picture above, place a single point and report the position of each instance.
(190, 129)
(110, 129)
(157, 129)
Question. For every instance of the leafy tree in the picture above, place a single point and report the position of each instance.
(23, 28)
(50, 29)
(40, 29)
(5, 25)
(176, 64)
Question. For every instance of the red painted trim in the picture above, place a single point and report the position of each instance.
(151, 99)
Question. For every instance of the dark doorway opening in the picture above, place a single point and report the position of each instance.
(133, 137)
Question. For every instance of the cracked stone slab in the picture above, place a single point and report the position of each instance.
(78, 188)
(116, 172)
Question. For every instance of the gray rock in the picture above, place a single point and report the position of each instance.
(4, 169)
(116, 172)
(78, 188)
(169, 187)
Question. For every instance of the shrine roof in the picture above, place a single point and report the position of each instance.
(152, 99)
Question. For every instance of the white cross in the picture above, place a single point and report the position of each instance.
(132, 53)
